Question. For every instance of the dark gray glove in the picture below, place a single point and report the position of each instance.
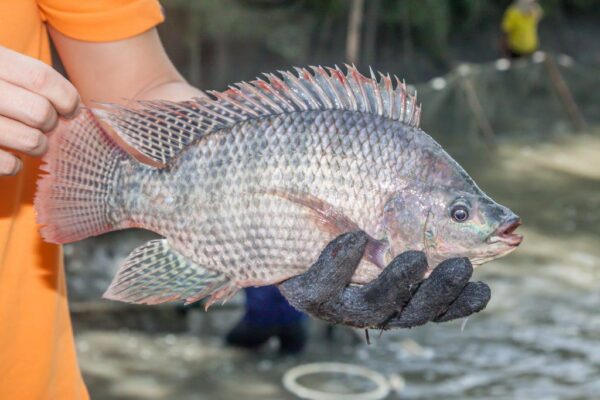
(399, 297)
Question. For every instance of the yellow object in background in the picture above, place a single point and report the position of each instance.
(520, 27)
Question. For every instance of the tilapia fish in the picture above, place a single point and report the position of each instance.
(247, 186)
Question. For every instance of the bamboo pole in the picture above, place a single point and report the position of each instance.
(407, 41)
(194, 43)
(354, 31)
(564, 93)
(482, 120)
(369, 53)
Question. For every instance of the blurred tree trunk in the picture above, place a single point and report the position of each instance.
(320, 37)
(370, 41)
(327, 38)
(354, 29)
(194, 43)
(221, 60)
(407, 42)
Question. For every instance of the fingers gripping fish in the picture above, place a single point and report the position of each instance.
(249, 185)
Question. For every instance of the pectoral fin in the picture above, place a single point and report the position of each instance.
(334, 222)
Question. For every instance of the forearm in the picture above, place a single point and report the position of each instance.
(134, 68)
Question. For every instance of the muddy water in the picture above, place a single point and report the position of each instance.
(539, 338)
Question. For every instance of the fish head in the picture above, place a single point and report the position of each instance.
(468, 224)
(445, 222)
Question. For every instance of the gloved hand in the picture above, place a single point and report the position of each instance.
(399, 297)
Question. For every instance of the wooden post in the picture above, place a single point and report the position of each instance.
(482, 120)
(194, 42)
(407, 42)
(354, 30)
(370, 38)
(564, 93)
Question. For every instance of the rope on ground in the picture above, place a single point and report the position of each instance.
(382, 385)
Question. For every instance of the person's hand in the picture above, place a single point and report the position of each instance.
(32, 96)
(399, 297)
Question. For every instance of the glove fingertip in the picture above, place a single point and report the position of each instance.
(412, 257)
(347, 245)
(473, 299)
(454, 270)
(479, 290)
(408, 268)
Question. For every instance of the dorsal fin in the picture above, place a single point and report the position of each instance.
(161, 129)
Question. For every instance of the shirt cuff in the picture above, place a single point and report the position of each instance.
(105, 24)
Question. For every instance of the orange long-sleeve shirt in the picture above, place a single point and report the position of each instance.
(37, 352)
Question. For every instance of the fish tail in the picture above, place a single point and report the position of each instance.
(76, 198)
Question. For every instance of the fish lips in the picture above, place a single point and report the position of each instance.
(505, 233)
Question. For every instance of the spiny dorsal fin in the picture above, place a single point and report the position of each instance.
(161, 129)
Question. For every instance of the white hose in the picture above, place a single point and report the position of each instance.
(290, 381)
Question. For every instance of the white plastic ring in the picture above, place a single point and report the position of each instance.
(290, 382)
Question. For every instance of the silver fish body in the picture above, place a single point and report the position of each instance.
(219, 202)
(255, 201)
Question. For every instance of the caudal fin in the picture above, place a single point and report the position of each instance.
(73, 199)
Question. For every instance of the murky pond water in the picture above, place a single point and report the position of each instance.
(539, 338)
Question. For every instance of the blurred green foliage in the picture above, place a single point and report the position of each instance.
(422, 37)
(433, 22)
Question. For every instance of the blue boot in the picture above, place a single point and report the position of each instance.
(268, 314)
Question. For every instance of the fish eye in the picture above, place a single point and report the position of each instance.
(459, 213)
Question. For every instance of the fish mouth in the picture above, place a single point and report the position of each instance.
(505, 233)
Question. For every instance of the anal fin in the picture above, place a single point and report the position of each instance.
(155, 273)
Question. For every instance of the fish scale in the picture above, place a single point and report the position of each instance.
(247, 187)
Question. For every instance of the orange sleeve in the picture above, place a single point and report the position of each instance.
(101, 20)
